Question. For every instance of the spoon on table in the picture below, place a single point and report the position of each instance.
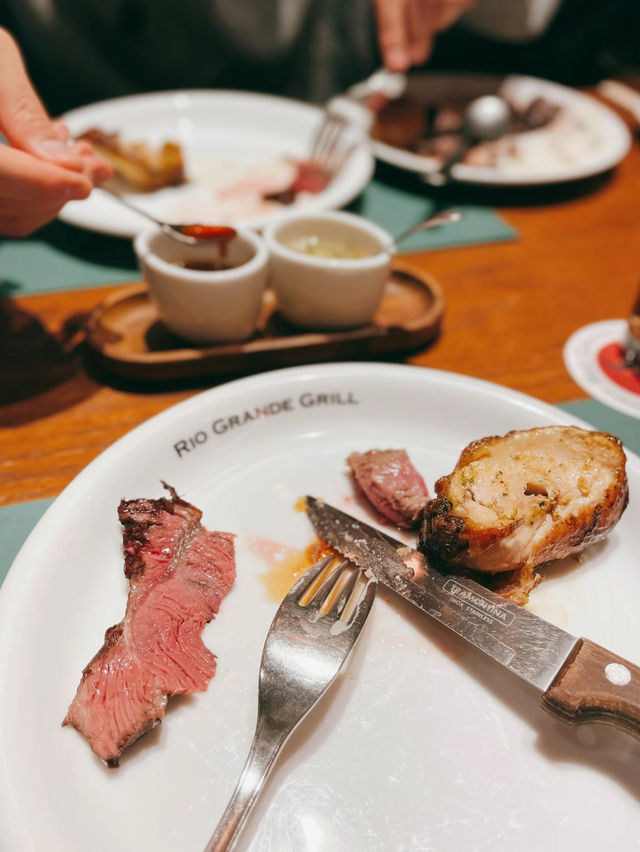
(443, 217)
(189, 234)
(485, 119)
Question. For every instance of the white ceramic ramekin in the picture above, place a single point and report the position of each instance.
(205, 307)
(324, 293)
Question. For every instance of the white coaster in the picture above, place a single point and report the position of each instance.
(581, 359)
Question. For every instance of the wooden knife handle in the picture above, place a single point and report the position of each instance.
(595, 685)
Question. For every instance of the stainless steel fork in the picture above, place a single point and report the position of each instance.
(329, 148)
(313, 631)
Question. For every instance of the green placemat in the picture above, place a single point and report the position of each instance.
(17, 521)
(397, 209)
(61, 257)
(607, 420)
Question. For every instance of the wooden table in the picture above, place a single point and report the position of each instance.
(509, 309)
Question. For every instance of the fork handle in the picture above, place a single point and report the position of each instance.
(265, 747)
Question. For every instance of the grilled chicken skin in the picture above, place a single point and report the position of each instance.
(517, 501)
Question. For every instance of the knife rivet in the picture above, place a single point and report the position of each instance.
(617, 674)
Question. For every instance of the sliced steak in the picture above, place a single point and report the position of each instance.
(178, 573)
(391, 484)
(517, 501)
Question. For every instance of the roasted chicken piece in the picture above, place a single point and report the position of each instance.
(515, 502)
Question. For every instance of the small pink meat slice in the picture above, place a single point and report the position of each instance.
(178, 574)
(390, 482)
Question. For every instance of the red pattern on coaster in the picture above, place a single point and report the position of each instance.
(612, 364)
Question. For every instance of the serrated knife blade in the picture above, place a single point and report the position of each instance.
(579, 680)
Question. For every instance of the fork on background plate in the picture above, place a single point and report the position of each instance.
(328, 147)
(328, 150)
(313, 631)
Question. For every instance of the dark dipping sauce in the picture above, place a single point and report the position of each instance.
(203, 265)
(220, 234)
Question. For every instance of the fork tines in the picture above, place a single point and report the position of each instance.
(334, 589)
(327, 147)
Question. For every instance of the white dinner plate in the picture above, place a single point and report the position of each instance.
(586, 140)
(229, 139)
(421, 745)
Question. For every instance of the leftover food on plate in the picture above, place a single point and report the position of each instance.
(140, 165)
(209, 188)
(541, 134)
(515, 502)
(285, 564)
(178, 574)
(436, 130)
(511, 503)
(309, 177)
(392, 485)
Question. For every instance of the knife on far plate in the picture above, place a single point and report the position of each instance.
(579, 680)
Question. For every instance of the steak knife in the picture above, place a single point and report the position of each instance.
(579, 680)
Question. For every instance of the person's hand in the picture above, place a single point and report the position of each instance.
(42, 169)
(406, 28)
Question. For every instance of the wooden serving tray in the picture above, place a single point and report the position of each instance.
(130, 340)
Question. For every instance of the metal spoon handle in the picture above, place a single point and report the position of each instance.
(168, 229)
(435, 221)
(114, 194)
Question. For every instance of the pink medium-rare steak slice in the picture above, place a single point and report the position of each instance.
(390, 482)
(178, 573)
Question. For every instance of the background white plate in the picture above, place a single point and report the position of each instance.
(224, 126)
(581, 360)
(422, 744)
(606, 139)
